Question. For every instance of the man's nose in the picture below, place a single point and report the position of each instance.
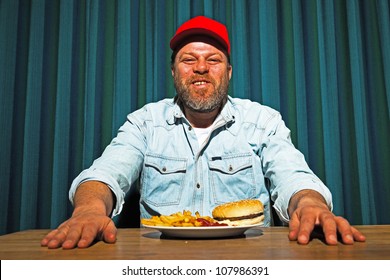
(201, 66)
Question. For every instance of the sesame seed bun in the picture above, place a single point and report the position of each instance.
(242, 212)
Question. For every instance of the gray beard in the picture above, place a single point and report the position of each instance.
(216, 101)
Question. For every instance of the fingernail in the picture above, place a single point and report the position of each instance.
(349, 238)
(302, 239)
(333, 238)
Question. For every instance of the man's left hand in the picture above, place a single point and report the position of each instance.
(309, 211)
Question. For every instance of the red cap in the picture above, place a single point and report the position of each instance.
(202, 26)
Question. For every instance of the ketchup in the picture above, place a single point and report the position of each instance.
(206, 223)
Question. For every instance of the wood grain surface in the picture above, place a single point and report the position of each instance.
(148, 244)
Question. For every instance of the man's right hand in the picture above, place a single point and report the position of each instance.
(81, 230)
(90, 220)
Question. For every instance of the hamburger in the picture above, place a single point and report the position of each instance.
(240, 213)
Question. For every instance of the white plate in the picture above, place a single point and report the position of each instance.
(203, 232)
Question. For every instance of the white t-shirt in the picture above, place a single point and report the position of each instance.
(202, 134)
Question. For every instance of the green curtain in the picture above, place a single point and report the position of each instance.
(71, 70)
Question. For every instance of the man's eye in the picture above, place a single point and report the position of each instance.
(214, 60)
(188, 60)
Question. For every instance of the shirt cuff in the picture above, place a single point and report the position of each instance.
(87, 175)
(283, 199)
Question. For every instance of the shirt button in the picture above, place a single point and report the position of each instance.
(164, 169)
(190, 128)
(198, 186)
(230, 168)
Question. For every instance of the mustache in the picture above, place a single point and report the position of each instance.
(197, 78)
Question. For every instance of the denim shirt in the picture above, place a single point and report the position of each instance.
(248, 155)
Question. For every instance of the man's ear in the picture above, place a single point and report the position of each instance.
(230, 69)
(172, 71)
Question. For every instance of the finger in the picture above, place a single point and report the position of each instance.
(54, 237)
(307, 225)
(88, 235)
(58, 238)
(357, 235)
(293, 228)
(48, 237)
(348, 233)
(72, 238)
(345, 230)
(329, 228)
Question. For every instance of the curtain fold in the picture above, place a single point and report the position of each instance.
(329, 101)
(70, 72)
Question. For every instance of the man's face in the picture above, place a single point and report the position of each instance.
(201, 75)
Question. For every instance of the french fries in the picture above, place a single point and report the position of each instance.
(179, 219)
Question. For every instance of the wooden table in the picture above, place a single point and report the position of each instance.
(148, 244)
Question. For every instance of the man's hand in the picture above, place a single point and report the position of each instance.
(90, 220)
(80, 231)
(308, 210)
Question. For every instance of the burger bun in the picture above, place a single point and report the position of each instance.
(240, 213)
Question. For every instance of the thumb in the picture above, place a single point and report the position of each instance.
(109, 233)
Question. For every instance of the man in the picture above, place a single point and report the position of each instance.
(198, 150)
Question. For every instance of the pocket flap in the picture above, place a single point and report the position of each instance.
(230, 164)
(166, 165)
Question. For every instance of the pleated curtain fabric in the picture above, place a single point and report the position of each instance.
(70, 72)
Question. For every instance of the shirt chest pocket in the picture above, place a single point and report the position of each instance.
(162, 179)
(232, 178)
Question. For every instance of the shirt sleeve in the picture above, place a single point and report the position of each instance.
(120, 164)
(286, 168)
